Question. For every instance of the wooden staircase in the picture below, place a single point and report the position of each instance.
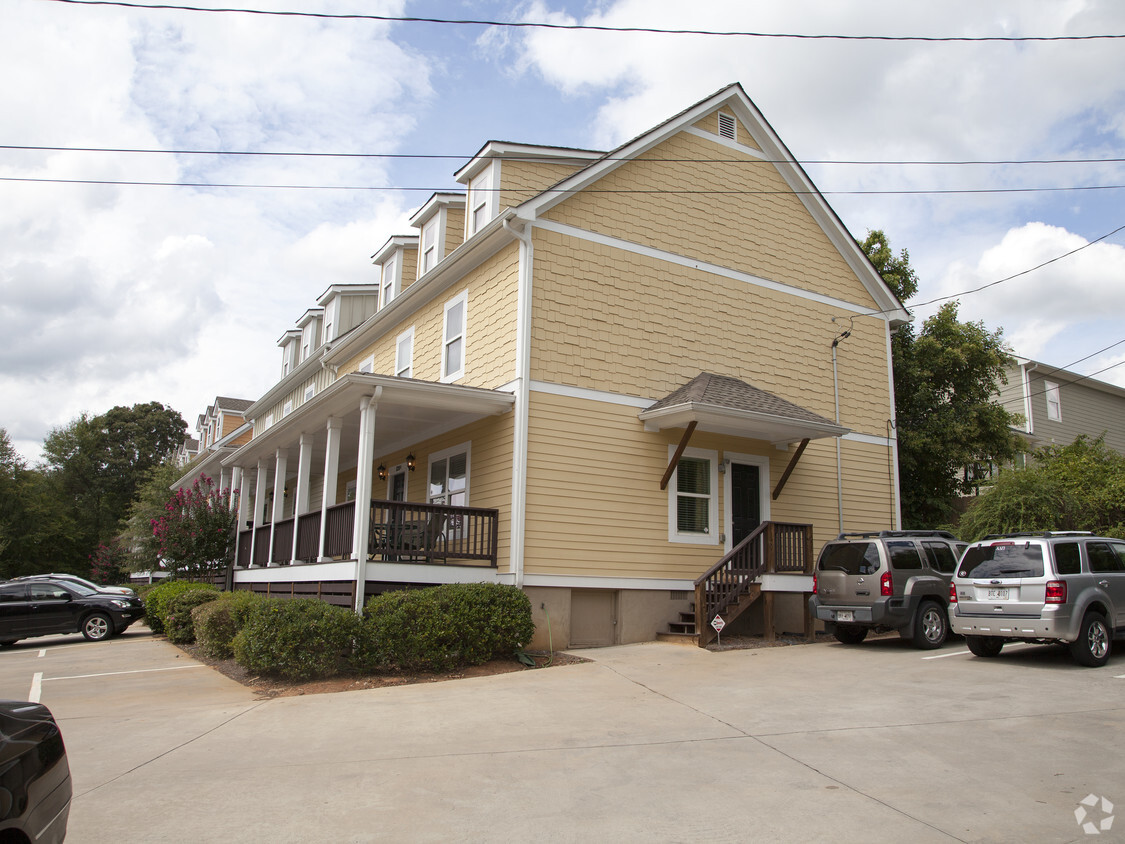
(732, 586)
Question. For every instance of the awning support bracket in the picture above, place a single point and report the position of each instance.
(679, 453)
(789, 469)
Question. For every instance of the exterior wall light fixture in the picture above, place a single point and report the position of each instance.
(411, 463)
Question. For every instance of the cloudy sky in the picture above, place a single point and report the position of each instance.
(116, 294)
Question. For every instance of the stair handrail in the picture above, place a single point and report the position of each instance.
(732, 577)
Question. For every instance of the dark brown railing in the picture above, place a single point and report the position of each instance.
(772, 547)
(400, 531)
(282, 542)
(403, 531)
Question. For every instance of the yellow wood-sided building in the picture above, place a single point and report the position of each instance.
(596, 376)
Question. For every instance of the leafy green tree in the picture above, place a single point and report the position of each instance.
(99, 461)
(196, 533)
(1080, 486)
(949, 422)
(141, 547)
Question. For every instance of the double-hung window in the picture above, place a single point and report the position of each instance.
(480, 201)
(390, 278)
(404, 354)
(453, 338)
(430, 255)
(449, 477)
(692, 500)
(1054, 402)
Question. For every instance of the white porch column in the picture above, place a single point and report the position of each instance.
(279, 468)
(243, 499)
(301, 498)
(259, 504)
(224, 479)
(331, 479)
(235, 486)
(363, 484)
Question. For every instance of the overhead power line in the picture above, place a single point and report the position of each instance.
(533, 156)
(601, 27)
(650, 191)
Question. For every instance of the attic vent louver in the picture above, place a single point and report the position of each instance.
(726, 126)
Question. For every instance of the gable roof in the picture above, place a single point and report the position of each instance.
(723, 404)
(733, 97)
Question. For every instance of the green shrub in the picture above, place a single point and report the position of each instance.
(218, 622)
(178, 624)
(158, 598)
(298, 638)
(443, 627)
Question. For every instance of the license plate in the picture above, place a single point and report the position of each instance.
(845, 615)
(997, 594)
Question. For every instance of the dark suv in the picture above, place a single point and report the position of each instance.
(886, 580)
(41, 607)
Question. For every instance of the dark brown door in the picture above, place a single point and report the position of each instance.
(745, 503)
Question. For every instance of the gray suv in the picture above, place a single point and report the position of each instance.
(883, 581)
(1055, 587)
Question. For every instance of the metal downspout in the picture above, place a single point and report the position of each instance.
(523, 391)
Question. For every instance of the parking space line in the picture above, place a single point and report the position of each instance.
(36, 688)
(115, 673)
(943, 656)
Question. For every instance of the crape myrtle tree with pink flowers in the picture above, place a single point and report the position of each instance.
(195, 534)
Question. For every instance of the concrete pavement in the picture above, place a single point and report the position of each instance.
(650, 742)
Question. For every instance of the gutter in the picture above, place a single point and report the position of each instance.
(523, 395)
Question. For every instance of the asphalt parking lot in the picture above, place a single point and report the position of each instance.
(650, 742)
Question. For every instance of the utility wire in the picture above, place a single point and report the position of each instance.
(1066, 367)
(532, 156)
(600, 28)
(651, 192)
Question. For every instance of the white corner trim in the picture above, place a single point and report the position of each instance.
(696, 264)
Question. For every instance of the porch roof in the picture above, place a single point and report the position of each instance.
(726, 405)
(407, 411)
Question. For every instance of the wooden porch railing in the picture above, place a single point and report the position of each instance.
(401, 531)
(771, 547)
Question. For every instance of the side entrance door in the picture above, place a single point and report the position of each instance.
(745, 501)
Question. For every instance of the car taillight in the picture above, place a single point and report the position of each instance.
(1056, 591)
(952, 593)
(814, 584)
(885, 587)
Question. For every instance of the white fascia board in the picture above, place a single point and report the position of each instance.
(696, 264)
(291, 334)
(433, 204)
(582, 582)
(345, 290)
(343, 570)
(309, 316)
(744, 423)
(524, 152)
(458, 263)
(394, 242)
(1065, 376)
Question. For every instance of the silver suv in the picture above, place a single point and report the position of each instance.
(1061, 587)
(887, 580)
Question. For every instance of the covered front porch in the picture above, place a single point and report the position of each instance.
(317, 497)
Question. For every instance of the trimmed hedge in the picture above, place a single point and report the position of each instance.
(218, 622)
(160, 596)
(178, 624)
(443, 627)
(296, 638)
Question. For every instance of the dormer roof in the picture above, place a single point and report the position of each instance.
(524, 152)
(434, 203)
(310, 315)
(394, 242)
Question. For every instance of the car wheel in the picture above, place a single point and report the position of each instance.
(850, 635)
(931, 626)
(97, 627)
(984, 645)
(1093, 644)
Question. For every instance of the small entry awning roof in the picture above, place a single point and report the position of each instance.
(726, 405)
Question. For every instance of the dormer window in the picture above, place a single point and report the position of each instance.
(389, 280)
(482, 201)
(429, 249)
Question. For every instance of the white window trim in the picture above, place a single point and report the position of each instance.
(712, 535)
(482, 193)
(1054, 401)
(461, 298)
(392, 284)
(367, 365)
(287, 408)
(437, 223)
(400, 365)
(310, 390)
(465, 448)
